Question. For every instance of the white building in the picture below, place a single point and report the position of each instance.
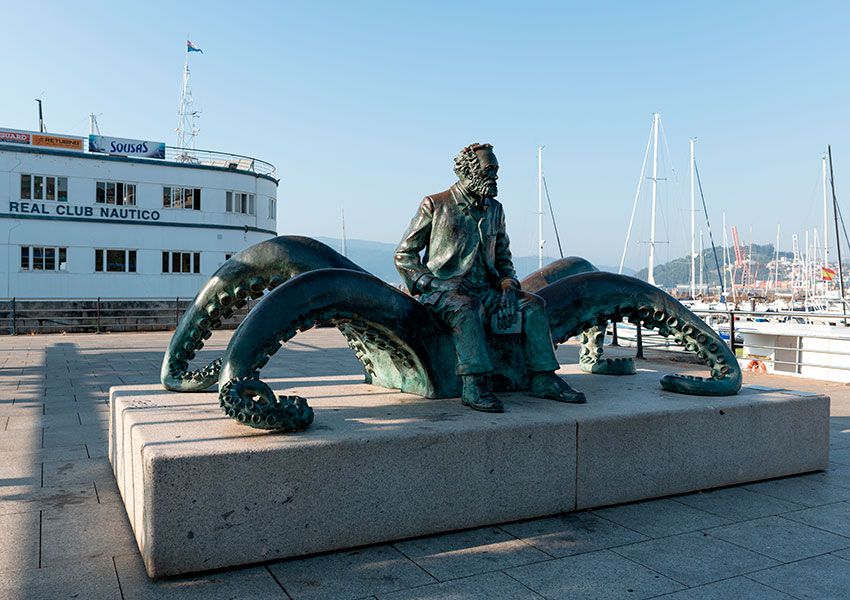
(81, 224)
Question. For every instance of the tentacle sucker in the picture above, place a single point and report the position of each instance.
(246, 275)
(572, 301)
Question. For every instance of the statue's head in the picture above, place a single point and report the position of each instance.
(477, 168)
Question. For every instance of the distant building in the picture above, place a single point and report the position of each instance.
(115, 218)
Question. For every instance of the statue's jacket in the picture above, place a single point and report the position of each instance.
(451, 230)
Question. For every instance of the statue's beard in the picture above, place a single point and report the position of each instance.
(482, 186)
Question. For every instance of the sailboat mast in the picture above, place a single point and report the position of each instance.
(825, 216)
(651, 268)
(725, 255)
(634, 204)
(693, 221)
(701, 268)
(344, 240)
(837, 238)
(540, 207)
(776, 264)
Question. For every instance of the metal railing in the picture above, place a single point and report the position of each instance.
(730, 322)
(211, 158)
(225, 160)
(96, 315)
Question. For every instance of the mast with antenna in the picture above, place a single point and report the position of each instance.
(650, 278)
(540, 207)
(94, 128)
(693, 222)
(187, 116)
(41, 128)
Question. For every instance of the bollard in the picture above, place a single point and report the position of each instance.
(639, 341)
(732, 330)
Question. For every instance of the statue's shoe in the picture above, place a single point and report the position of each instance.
(549, 385)
(477, 396)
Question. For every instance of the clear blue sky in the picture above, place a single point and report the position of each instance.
(363, 104)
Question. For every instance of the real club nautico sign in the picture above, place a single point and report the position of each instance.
(69, 210)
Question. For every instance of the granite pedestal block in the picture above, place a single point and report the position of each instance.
(204, 492)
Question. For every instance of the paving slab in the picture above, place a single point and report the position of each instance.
(831, 517)
(736, 588)
(19, 542)
(737, 504)
(255, 583)
(77, 472)
(489, 586)
(35, 421)
(600, 575)
(92, 580)
(39, 455)
(802, 490)
(834, 474)
(465, 553)
(78, 534)
(577, 533)
(819, 578)
(657, 518)
(29, 498)
(695, 558)
(80, 434)
(781, 538)
(349, 575)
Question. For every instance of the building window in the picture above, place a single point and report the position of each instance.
(240, 202)
(181, 262)
(177, 197)
(272, 208)
(115, 192)
(228, 255)
(111, 260)
(44, 187)
(43, 258)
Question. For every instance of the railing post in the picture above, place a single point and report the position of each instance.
(732, 330)
(176, 311)
(14, 318)
(97, 312)
(639, 341)
(614, 341)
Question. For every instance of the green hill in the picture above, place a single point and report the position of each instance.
(678, 271)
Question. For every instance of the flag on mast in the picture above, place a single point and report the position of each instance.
(827, 274)
(190, 47)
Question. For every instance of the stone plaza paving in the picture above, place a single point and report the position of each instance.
(64, 532)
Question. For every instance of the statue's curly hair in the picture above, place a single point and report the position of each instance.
(466, 161)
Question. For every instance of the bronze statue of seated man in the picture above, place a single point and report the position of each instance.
(467, 279)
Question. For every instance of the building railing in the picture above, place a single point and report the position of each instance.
(97, 315)
(225, 160)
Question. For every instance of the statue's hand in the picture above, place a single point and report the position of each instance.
(444, 285)
(506, 314)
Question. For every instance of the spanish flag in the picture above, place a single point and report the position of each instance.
(827, 274)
